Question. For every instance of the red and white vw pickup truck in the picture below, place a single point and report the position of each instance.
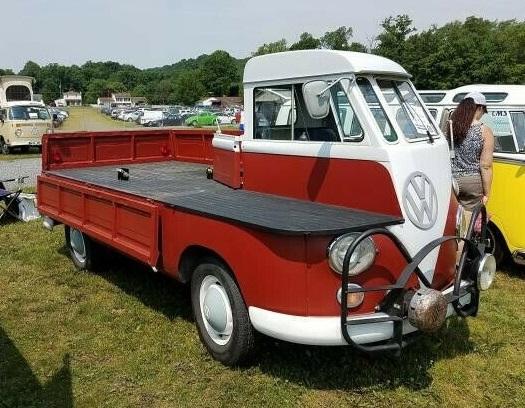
(330, 221)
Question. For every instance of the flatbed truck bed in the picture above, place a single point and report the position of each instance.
(184, 186)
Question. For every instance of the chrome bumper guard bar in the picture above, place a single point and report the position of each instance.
(394, 304)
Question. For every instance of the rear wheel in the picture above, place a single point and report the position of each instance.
(81, 248)
(234, 122)
(194, 124)
(220, 313)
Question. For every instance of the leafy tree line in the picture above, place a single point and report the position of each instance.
(458, 53)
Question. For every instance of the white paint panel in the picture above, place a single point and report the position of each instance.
(340, 150)
(326, 331)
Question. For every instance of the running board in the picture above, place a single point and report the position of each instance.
(519, 256)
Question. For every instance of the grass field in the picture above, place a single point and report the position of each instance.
(124, 337)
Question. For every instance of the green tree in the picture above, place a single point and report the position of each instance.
(139, 90)
(219, 72)
(337, 39)
(31, 69)
(392, 39)
(271, 48)
(306, 42)
(6, 72)
(164, 90)
(188, 87)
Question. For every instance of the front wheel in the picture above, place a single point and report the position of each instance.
(194, 124)
(81, 248)
(220, 313)
(4, 148)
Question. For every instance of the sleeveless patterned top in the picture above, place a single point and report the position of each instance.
(468, 153)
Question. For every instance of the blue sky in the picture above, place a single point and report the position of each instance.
(149, 33)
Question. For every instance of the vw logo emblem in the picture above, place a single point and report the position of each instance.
(420, 201)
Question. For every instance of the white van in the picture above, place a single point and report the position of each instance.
(150, 116)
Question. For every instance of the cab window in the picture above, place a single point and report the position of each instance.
(499, 122)
(518, 121)
(280, 114)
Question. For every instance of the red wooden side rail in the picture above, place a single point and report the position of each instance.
(83, 149)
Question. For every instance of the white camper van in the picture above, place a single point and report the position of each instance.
(22, 120)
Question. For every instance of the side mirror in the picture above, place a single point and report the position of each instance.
(317, 99)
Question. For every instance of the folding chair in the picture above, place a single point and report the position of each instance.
(9, 199)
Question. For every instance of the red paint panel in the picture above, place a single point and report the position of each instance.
(133, 228)
(227, 167)
(112, 148)
(71, 202)
(129, 225)
(47, 194)
(359, 184)
(192, 146)
(269, 268)
(83, 149)
(323, 282)
(99, 215)
(149, 147)
(446, 262)
(74, 151)
(281, 273)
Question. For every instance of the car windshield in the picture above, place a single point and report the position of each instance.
(377, 110)
(406, 108)
(28, 113)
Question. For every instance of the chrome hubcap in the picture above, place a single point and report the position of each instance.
(216, 310)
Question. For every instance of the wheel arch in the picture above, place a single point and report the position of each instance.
(499, 232)
(191, 257)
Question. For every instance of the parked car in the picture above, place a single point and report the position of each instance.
(170, 119)
(131, 116)
(227, 119)
(202, 119)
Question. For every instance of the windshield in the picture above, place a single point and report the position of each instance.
(405, 107)
(377, 110)
(347, 118)
(28, 113)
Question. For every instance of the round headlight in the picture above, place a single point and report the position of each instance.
(486, 271)
(362, 258)
(18, 132)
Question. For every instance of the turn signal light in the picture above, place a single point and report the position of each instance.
(353, 299)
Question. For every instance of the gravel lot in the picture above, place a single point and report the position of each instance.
(17, 168)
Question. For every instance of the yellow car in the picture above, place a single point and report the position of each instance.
(506, 207)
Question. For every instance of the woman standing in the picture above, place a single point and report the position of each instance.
(474, 146)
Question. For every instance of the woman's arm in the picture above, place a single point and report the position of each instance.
(486, 162)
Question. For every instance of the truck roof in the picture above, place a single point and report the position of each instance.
(495, 94)
(313, 63)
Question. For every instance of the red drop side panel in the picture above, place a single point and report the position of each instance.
(127, 224)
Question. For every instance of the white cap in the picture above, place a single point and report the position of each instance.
(478, 98)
